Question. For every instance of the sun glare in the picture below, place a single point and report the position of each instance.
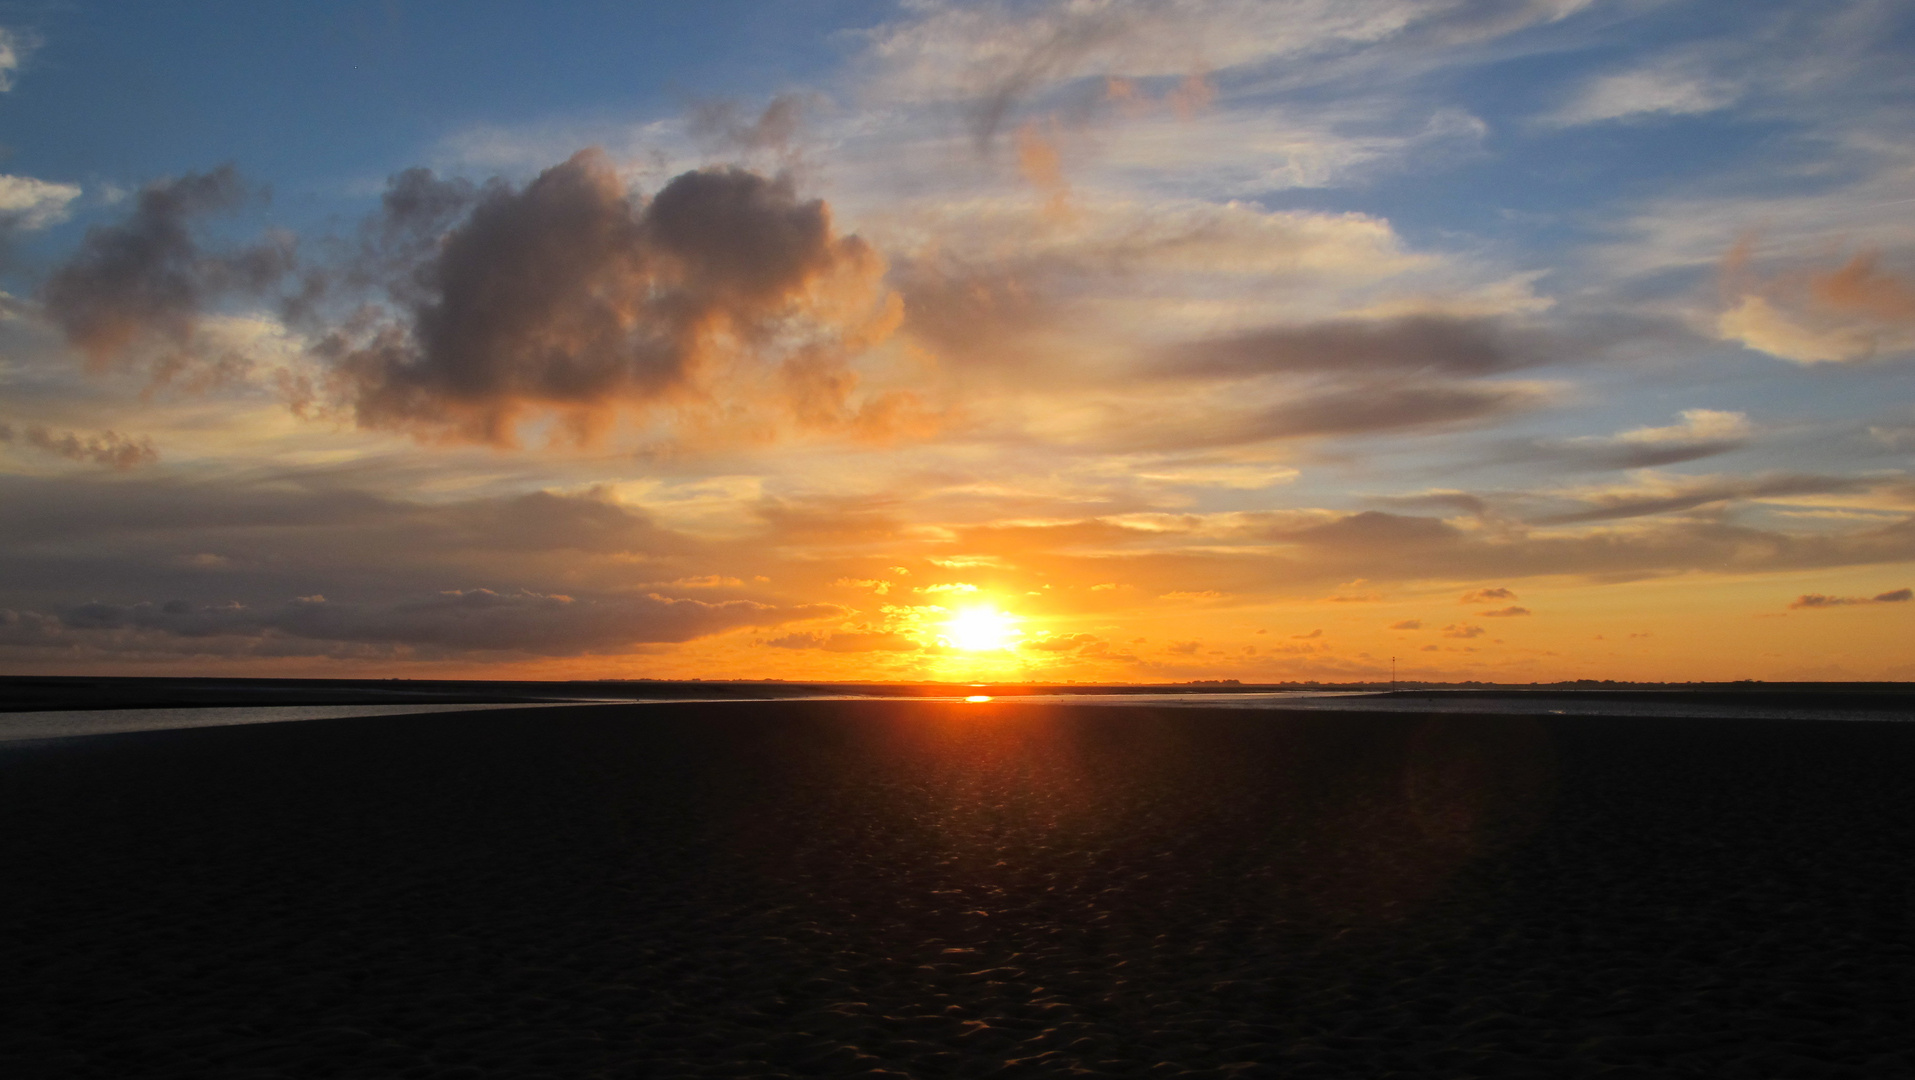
(979, 629)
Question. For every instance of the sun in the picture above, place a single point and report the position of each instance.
(980, 629)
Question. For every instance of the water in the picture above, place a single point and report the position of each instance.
(64, 724)
(17, 726)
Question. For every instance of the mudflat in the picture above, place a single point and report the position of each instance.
(955, 890)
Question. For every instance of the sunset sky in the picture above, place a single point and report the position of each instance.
(1149, 341)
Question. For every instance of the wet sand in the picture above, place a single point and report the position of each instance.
(833, 888)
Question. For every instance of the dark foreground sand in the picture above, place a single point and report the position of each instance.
(835, 888)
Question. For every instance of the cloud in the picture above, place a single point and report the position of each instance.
(570, 295)
(847, 641)
(1504, 613)
(1372, 530)
(774, 129)
(1463, 630)
(15, 47)
(1355, 411)
(1041, 164)
(1407, 624)
(217, 568)
(148, 280)
(465, 309)
(950, 587)
(1817, 600)
(992, 59)
(28, 204)
(1855, 312)
(1060, 643)
(1664, 91)
(1425, 344)
(107, 448)
(453, 622)
(1671, 494)
(1702, 433)
(1458, 501)
(1755, 321)
(1483, 596)
(1862, 287)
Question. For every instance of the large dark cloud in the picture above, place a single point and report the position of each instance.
(148, 279)
(261, 539)
(460, 308)
(270, 567)
(572, 294)
(455, 621)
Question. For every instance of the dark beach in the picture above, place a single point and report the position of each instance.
(929, 889)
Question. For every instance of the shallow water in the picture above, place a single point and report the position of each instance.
(17, 726)
(1439, 701)
(64, 724)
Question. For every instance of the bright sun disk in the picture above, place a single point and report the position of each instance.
(979, 629)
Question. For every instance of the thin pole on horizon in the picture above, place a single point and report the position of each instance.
(1392, 674)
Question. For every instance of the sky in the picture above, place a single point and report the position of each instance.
(1056, 340)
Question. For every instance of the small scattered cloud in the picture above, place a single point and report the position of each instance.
(28, 204)
(15, 47)
(1504, 613)
(1206, 594)
(1463, 630)
(1818, 600)
(708, 581)
(949, 587)
(847, 641)
(1407, 624)
(1060, 642)
(1484, 596)
(107, 448)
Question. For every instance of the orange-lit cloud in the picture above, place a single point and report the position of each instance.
(1857, 311)
(1040, 163)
